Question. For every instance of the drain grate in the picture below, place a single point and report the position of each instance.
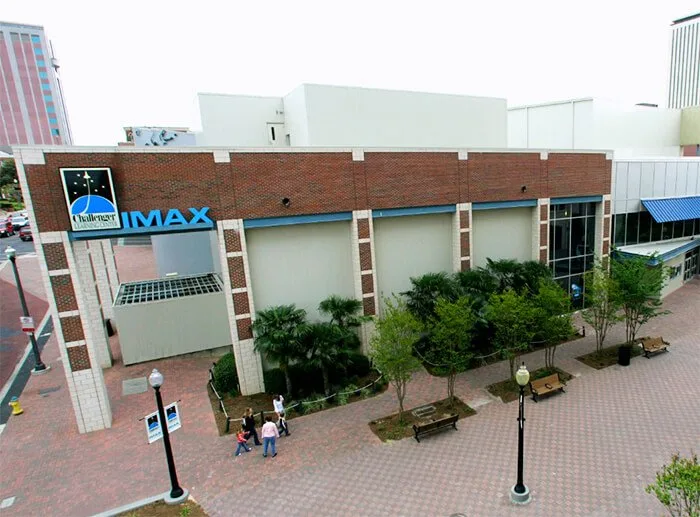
(423, 411)
(167, 288)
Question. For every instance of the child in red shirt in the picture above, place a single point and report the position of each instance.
(242, 439)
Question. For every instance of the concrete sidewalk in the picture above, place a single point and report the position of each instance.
(590, 451)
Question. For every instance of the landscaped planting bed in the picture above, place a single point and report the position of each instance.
(509, 390)
(390, 428)
(159, 509)
(606, 357)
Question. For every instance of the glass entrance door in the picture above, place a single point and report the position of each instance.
(691, 264)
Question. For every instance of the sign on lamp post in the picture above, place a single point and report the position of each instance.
(27, 324)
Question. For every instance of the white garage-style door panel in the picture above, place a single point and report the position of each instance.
(301, 264)
(501, 234)
(411, 246)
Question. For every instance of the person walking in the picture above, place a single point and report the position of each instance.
(278, 403)
(242, 440)
(269, 435)
(248, 423)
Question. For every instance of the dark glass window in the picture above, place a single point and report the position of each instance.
(562, 211)
(562, 236)
(632, 229)
(644, 227)
(590, 234)
(551, 241)
(667, 232)
(578, 237)
(577, 265)
(561, 267)
(688, 228)
(620, 230)
(589, 262)
(578, 209)
(677, 229)
(656, 230)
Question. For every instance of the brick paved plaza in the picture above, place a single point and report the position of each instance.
(590, 451)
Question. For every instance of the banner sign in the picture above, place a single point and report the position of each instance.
(90, 197)
(153, 428)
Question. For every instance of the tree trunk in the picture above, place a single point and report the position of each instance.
(287, 380)
(451, 386)
(511, 363)
(326, 382)
(400, 394)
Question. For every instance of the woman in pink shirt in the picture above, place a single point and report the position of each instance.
(269, 435)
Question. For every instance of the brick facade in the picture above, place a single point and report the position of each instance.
(62, 287)
(78, 358)
(252, 185)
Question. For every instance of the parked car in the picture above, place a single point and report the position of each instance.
(6, 228)
(25, 233)
(18, 221)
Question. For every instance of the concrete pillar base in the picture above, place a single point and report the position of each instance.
(176, 500)
(517, 498)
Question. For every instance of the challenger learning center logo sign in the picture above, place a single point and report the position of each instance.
(90, 198)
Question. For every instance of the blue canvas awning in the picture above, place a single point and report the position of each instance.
(673, 208)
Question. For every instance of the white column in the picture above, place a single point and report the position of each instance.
(111, 264)
(102, 278)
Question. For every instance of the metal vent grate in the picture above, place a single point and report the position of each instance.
(167, 288)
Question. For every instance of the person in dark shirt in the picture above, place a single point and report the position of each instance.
(248, 423)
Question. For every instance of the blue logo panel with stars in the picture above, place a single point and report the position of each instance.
(90, 198)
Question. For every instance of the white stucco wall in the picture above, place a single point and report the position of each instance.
(185, 253)
(501, 234)
(646, 178)
(629, 130)
(296, 122)
(674, 283)
(411, 246)
(301, 264)
(346, 116)
(237, 120)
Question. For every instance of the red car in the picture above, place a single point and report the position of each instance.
(6, 228)
(25, 233)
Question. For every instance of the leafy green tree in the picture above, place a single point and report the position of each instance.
(506, 272)
(391, 346)
(677, 486)
(479, 283)
(8, 172)
(326, 346)
(451, 337)
(512, 317)
(553, 319)
(603, 301)
(347, 314)
(278, 334)
(531, 274)
(425, 292)
(640, 292)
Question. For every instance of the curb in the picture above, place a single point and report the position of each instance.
(132, 506)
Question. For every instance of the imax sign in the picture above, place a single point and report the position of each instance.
(173, 217)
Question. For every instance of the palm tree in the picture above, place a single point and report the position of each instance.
(344, 312)
(425, 292)
(505, 271)
(326, 347)
(278, 334)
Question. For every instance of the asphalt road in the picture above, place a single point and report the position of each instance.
(23, 248)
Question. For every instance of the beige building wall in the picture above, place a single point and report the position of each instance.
(410, 246)
(503, 233)
(674, 283)
(300, 264)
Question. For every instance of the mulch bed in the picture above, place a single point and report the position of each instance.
(160, 509)
(389, 428)
(606, 357)
(236, 406)
(509, 390)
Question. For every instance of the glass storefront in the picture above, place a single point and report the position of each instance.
(640, 228)
(571, 245)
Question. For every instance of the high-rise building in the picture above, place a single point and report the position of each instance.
(32, 108)
(684, 68)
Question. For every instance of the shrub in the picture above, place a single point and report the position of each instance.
(274, 381)
(306, 379)
(342, 398)
(677, 486)
(379, 385)
(365, 393)
(358, 365)
(225, 375)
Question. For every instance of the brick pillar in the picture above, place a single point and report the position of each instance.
(239, 302)
(540, 231)
(462, 237)
(72, 309)
(363, 265)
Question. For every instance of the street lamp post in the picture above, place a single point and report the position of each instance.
(39, 366)
(177, 493)
(520, 493)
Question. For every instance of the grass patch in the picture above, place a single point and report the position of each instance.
(606, 357)
(236, 406)
(509, 390)
(389, 428)
(159, 509)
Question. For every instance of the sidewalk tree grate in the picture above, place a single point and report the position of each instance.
(423, 411)
(167, 288)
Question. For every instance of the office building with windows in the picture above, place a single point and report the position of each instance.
(32, 107)
(684, 63)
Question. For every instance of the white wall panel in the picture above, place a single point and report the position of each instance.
(411, 246)
(646, 180)
(659, 179)
(301, 264)
(501, 234)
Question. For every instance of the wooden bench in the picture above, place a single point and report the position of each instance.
(435, 424)
(653, 346)
(546, 385)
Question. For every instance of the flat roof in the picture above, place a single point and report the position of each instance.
(686, 19)
(21, 25)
